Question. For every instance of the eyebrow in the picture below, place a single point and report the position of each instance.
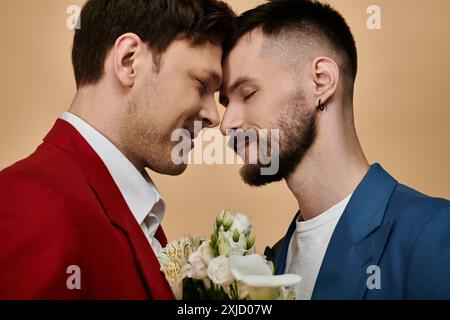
(214, 77)
(239, 82)
(236, 84)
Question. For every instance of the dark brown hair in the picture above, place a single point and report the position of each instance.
(157, 22)
(306, 17)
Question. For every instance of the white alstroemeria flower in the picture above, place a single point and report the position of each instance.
(174, 275)
(219, 271)
(174, 262)
(254, 272)
(242, 223)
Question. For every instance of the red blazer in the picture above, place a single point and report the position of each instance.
(59, 208)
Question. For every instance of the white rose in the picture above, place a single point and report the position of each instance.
(219, 271)
(242, 223)
(199, 268)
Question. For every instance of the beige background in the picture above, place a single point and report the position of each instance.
(402, 106)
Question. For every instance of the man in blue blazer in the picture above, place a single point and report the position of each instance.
(359, 234)
(404, 234)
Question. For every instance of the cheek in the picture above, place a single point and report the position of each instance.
(176, 101)
(281, 103)
(177, 104)
(265, 111)
(184, 109)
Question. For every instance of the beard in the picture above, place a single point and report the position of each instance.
(146, 143)
(297, 134)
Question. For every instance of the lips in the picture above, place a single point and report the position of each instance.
(187, 140)
(242, 145)
(243, 141)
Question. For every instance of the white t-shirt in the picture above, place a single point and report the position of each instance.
(308, 246)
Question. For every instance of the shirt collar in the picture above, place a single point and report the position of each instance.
(138, 190)
(331, 214)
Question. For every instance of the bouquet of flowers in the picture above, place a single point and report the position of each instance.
(223, 267)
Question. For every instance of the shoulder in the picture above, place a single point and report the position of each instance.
(414, 197)
(38, 223)
(429, 259)
(409, 205)
(412, 211)
(422, 227)
(43, 187)
(430, 214)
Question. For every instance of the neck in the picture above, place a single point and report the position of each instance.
(332, 168)
(105, 113)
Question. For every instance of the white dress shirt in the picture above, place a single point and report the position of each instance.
(308, 246)
(136, 187)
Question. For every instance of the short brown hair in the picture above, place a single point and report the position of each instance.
(157, 22)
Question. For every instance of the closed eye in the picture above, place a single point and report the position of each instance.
(248, 97)
(202, 86)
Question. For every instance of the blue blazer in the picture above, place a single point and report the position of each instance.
(403, 233)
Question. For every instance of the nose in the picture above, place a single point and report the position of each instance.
(209, 114)
(233, 119)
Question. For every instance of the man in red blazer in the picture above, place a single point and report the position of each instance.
(80, 218)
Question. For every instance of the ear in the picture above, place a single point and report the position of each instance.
(326, 78)
(126, 49)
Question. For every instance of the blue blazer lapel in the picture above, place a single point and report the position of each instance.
(280, 258)
(358, 240)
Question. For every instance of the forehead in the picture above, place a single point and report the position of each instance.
(244, 56)
(247, 60)
(187, 56)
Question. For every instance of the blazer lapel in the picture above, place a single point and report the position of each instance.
(280, 255)
(358, 240)
(161, 237)
(64, 136)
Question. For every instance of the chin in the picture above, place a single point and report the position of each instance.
(169, 169)
(251, 175)
(176, 171)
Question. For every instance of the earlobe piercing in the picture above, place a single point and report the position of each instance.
(320, 106)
